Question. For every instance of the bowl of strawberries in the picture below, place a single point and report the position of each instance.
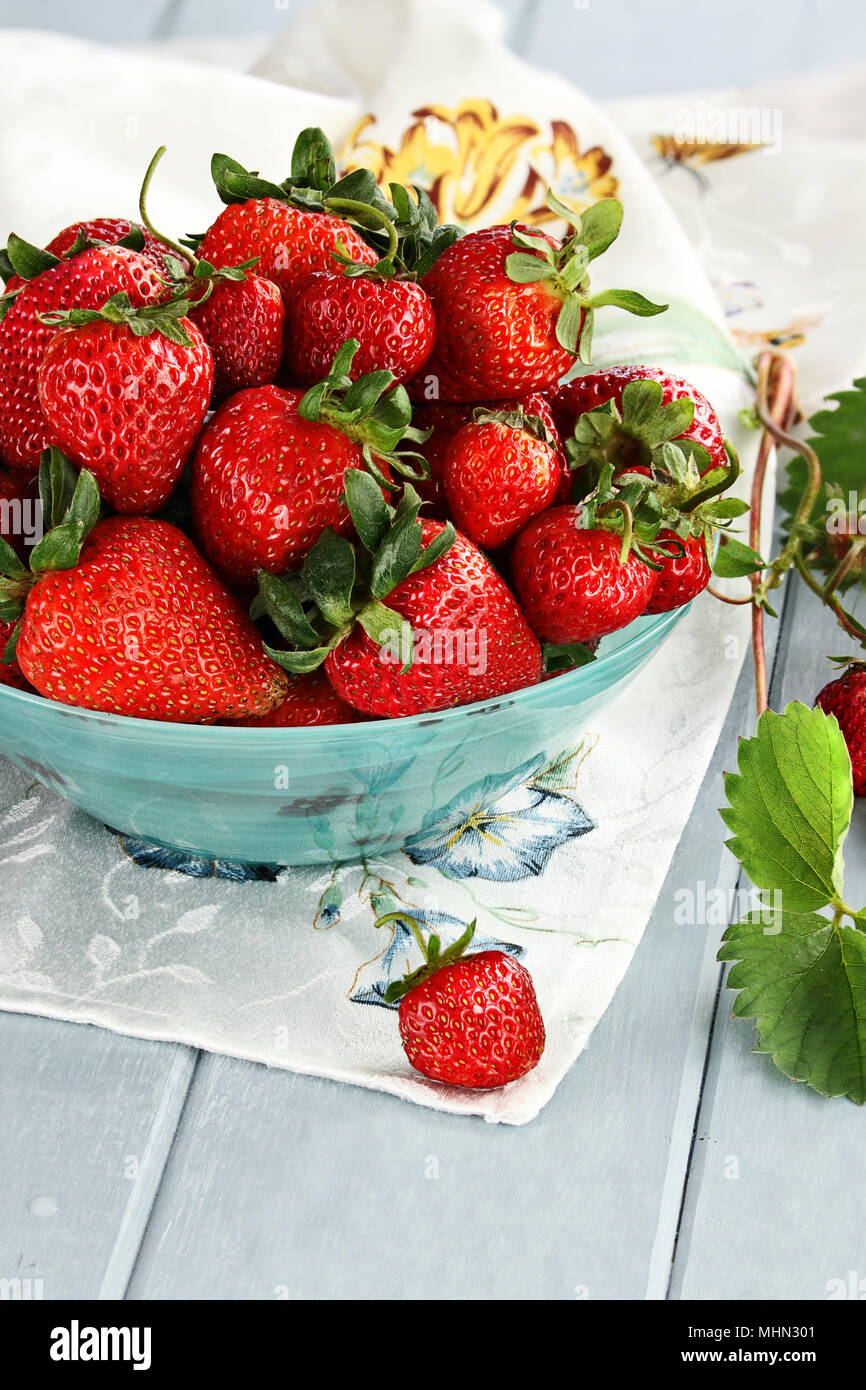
(320, 530)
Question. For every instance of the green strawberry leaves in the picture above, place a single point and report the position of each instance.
(801, 970)
(564, 268)
(807, 988)
(165, 318)
(371, 411)
(70, 508)
(431, 951)
(341, 584)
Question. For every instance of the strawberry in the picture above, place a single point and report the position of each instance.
(310, 700)
(267, 477)
(501, 469)
(442, 420)
(85, 281)
(513, 308)
(684, 574)
(20, 516)
(10, 671)
(411, 620)
(643, 420)
(243, 323)
(846, 699)
(124, 616)
(393, 321)
(382, 305)
(125, 392)
(81, 236)
(468, 1020)
(295, 226)
(576, 583)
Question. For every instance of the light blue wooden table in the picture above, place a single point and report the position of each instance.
(671, 1162)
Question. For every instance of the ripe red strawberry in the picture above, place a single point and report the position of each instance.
(268, 474)
(467, 1020)
(243, 324)
(683, 575)
(131, 620)
(125, 393)
(310, 700)
(501, 469)
(20, 512)
(108, 230)
(846, 699)
(513, 307)
(403, 630)
(571, 581)
(638, 432)
(290, 242)
(86, 281)
(10, 671)
(445, 419)
(393, 321)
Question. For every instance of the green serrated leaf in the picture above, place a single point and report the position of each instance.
(525, 269)
(600, 225)
(299, 663)
(27, 260)
(396, 555)
(804, 980)
(329, 574)
(735, 560)
(630, 300)
(313, 164)
(58, 549)
(58, 480)
(10, 562)
(439, 546)
(368, 509)
(568, 324)
(790, 806)
(285, 610)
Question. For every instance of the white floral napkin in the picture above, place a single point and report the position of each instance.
(285, 967)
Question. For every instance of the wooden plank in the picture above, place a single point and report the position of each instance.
(281, 1185)
(88, 1119)
(776, 1199)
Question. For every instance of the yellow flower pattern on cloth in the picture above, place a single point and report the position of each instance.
(481, 168)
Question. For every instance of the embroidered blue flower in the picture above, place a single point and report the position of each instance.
(150, 856)
(511, 839)
(403, 954)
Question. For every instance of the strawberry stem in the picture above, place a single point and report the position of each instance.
(182, 252)
(366, 213)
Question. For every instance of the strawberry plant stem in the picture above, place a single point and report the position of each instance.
(183, 253)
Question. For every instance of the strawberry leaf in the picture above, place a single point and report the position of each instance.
(11, 647)
(804, 980)
(735, 560)
(790, 806)
(329, 574)
(286, 612)
(368, 509)
(26, 260)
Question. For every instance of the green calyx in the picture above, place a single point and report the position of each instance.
(564, 270)
(680, 496)
(404, 232)
(22, 258)
(144, 320)
(565, 656)
(626, 437)
(372, 412)
(431, 950)
(341, 583)
(516, 419)
(70, 508)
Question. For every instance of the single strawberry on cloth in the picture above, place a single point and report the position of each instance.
(286, 966)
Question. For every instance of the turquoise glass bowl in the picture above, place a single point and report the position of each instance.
(310, 795)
